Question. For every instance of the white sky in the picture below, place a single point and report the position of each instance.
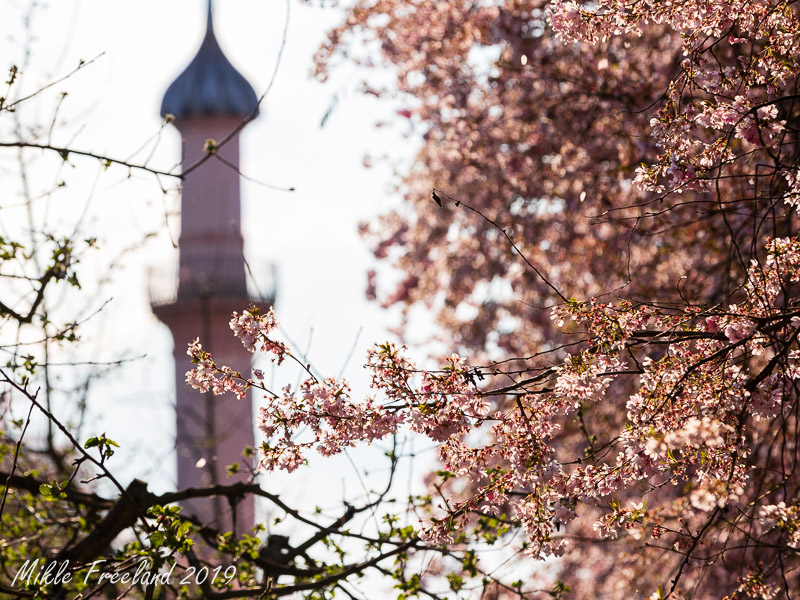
(311, 234)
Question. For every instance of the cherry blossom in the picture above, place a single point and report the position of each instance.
(611, 248)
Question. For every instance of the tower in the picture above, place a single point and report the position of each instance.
(208, 101)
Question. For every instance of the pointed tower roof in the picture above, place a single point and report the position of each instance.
(210, 85)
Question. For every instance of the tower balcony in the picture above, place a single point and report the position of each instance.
(212, 279)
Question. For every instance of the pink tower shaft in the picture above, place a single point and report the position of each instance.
(212, 432)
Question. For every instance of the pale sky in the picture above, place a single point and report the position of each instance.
(310, 234)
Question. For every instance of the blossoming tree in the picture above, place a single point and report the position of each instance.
(603, 216)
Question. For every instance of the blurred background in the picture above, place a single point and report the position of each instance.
(337, 148)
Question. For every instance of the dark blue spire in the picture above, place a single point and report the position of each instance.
(210, 85)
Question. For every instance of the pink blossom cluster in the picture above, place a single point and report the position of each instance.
(586, 376)
(630, 519)
(334, 420)
(755, 585)
(784, 519)
(207, 376)
(253, 329)
(710, 105)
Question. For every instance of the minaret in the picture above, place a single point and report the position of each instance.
(208, 101)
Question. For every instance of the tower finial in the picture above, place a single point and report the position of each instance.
(210, 85)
